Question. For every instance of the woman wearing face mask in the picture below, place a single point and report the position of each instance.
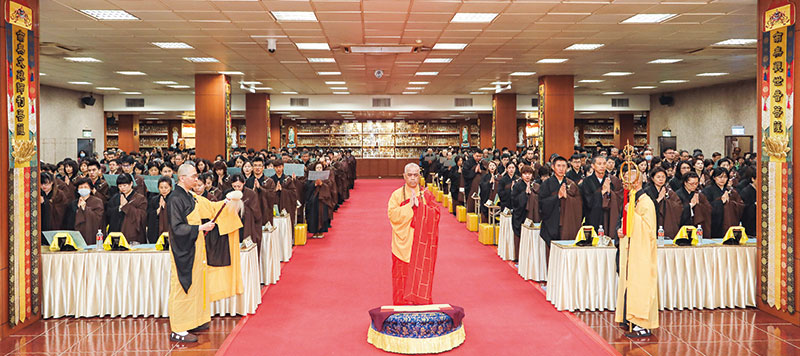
(157, 219)
(85, 214)
(726, 205)
(251, 215)
(668, 204)
(319, 201)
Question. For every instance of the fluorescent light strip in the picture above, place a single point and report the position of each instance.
(591, 81)
(645, 87)
(298, 16)
(165, 82)
(110, 15)
(201, 59)
(712, 74)
(250, 82)
(649, 18)
(410, 92)
(617, 74)
(230, 72)
(336, 82)
(82, 59)
(418, 83)
(427, 73)
(673, 81)
(342, 92)
(613, 93)
(130, 72)
(329, 73)
(172, 45)
(584, 47)
(262, 88)
(665, 61)
(179, 86)
(313, 46)
(131, 93)
(477, 93)
(501, 83)
(438, 60)
(737, 42)
(473, 17)
(522, 74)
(450, 46)
(289, 92)
(321, 60)
(552, 60)
(80, 83)
(107, 88)
(338, 88)
(415, 88)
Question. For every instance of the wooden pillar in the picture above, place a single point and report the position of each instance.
(128, 132)
(557, 113)
(274, 131)
(623, 130)
(212, 118)
(777, 246)
(20, 235)
(485, 127)
(504, 119)
(256, 117)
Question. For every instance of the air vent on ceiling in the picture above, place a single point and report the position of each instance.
(620, 103)
(463, 102)
(535, 102)
(134, 102)
(381, 102)
(298, 101)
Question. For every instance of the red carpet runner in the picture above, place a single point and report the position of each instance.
(320, 305)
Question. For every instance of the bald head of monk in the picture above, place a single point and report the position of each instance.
(187, 176)
(411, 175)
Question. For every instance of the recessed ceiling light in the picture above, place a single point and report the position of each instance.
(552, 60)
(250, 82)
(80, 83)
(381, 49)
(613, 93)
(82, 59)
(336, 82)
(617, 74)
(645, 87)
(329, 73)
(230, 72)
(522, 74)
(476, 92)
(262, 88)
(665, 61)
(418, 83)
(473, 17)
(321, 60)
(201, 59)
(317, 45)
(410, 92)
(451, 46)
(737, 42)
(338, 88)
(487, 88)
(648, 18)
(110, 15)
(165, 82)
(712, 74)
(501, 83)
(289, 92)
(179, 86)
(131, 92)
(426, 73)
(341, 92)
(591, 81)
(307, 16)
(415, 88)
(437, 60)
(173, 45)
(130, 72)
(584, 47)
(673, 81)
(107, 88)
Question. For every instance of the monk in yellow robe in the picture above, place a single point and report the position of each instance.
(414, 216)
(637, 293)
(190, 289)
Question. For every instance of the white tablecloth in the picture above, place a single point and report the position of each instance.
(505, 238)
(532, 262)
(270, 257)
(283, 227)
(700, 277)
(133, 283)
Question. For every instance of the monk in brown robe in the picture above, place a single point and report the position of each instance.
(87, 211)
(157, 218)
(520, 194)
(205, 187)
(457, 188)
(560, 206)
(126, 211)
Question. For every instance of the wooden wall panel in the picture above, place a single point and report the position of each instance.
(505, 121)
(209, 102)
(257, 120)
(382, 167)
(559, 114)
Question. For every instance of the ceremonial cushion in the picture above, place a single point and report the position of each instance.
(486, 234)
(472, 222)
(461, 213)
(300, 234)
(439, 196)
(422, 332)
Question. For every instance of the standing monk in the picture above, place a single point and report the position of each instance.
(414, 216)
(189, 292)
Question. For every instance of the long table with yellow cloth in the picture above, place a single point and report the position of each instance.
(707, 276)
(128, 283)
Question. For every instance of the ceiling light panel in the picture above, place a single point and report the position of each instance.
(438, 60)
(552, 60)
(737, 42)
(294, 16)
(130, 72)
(321, 60)
(584, 47)
(665, 61)
(201, 59)
(172, 45)
(473, 17)
(617, 74)
(522, 74)
(313, 46)
(82, 59)
(450, 46)
(649, 18)
(110, 15)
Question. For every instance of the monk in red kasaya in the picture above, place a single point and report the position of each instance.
(414, 217)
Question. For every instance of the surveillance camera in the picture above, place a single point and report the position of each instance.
(272, 45)
(378, 74)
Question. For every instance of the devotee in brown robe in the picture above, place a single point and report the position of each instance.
(251, 216)
(280, 190)
(54, 202)
(726, 205)
(505, 184)
(560, 206)
(696, 209)
(319, 203)
(205, 187)
(99, 185)
(157, 218)
(668, 204)
(126, 211)
(602, 198)
(87, 211)
(472, 174)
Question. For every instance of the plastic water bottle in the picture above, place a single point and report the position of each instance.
(99, 245)
(660, 235)
(600, 231)
(699, 235)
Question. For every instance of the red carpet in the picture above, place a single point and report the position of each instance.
(320, 305)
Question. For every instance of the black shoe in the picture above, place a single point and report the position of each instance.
(185, 338)
(641, 332)
(203, 327)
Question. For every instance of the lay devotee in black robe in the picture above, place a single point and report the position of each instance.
(668, 205)
(747, 191)
(520, 194)
(696, 209)
(726, 205)
(457, 188)
(505, 185)
(488, 189)
(157, 219)
(319, 202)
(575, 171)
(54, 202)
(560, 206)
(472, 177)
(126, 211)
(602, 198)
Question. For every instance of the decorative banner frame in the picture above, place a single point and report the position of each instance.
(542, 158)
(494, 122)
(23, 184)
(777, 198)
(229, 139)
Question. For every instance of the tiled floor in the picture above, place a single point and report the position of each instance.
(695, 332)
(112, 336)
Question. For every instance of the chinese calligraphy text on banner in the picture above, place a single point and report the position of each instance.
(777, 112)
(21, 70)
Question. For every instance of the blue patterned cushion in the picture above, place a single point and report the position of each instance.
(418, 325)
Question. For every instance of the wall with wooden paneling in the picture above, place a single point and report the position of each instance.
(382, 167)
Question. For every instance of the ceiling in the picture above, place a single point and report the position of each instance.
(236, 33)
